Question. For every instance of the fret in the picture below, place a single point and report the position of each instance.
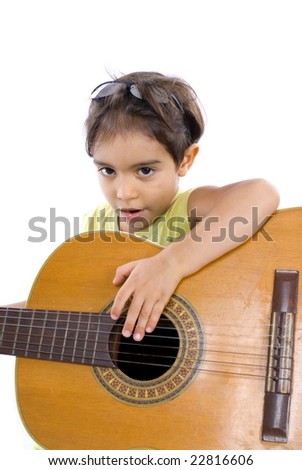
(86, 337)
(3, 328)
(90, 348)
(65, 339)
(96, 341)
(29, 335)
(54, 334)
(76, 337)
(41, 337)
(16, 335)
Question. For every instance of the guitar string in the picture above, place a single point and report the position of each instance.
(98, 323)
(92, 331)
(236, 364)
(170, 366)
(66, 356)
(82, 315)
(193, 369)
(111, 333)
(203, 369)
(136, 345)
(85, 315)
(79, 314)
(123, 361)
(66, 342)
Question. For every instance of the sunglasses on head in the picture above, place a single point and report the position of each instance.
(109, 88)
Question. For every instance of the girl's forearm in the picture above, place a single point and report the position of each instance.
(236, 217)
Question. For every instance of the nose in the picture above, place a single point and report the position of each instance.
(126, 189)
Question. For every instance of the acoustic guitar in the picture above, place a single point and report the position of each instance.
(222, 370)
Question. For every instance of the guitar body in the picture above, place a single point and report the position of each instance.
(66, 406)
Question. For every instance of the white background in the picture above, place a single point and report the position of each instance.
(242, 57)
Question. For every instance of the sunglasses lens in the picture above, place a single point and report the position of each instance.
(135, 92)
(105, 89)
(160, 95)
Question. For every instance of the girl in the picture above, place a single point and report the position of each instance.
(142, 133)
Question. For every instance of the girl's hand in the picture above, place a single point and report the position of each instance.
(150, 282)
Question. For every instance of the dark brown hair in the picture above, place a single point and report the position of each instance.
(175, 123)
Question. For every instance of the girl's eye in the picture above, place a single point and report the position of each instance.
(106, 171)
(145, 171)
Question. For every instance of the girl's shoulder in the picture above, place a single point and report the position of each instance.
(204, 198)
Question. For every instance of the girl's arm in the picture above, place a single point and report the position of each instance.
(222, 219)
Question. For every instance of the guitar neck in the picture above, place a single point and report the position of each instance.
(51, 335)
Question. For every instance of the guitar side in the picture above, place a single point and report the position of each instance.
(63, 406)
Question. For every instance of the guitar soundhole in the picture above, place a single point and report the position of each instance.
(147, 359)
(159, 367)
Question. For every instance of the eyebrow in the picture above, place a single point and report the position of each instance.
(136, 165)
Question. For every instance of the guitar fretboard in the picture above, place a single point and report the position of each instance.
(73, 337)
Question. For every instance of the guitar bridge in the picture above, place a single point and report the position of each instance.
(280, 357)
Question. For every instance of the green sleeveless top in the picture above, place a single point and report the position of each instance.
(174, 223)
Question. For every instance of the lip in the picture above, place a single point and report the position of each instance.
(130, 214)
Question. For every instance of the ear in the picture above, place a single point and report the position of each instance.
(189, 157)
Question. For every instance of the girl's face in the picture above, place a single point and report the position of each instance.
(138, 178)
